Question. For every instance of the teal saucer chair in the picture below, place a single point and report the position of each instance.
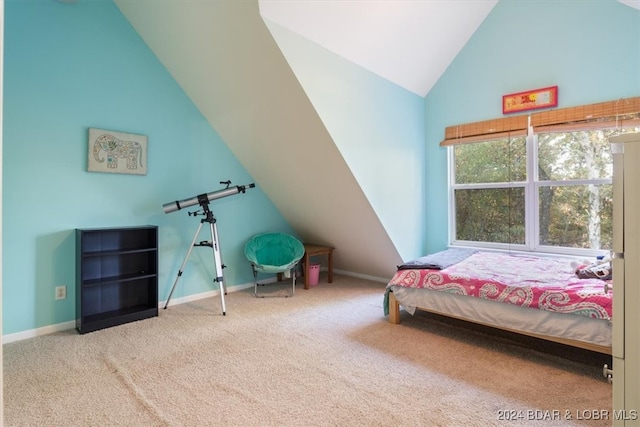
(276, 253)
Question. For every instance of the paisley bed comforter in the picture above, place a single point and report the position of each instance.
(536, 282)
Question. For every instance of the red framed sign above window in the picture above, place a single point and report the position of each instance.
(530, 100)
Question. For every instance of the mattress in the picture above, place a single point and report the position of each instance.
(528, 320)
(537, 295)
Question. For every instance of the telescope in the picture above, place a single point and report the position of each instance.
(203, 199)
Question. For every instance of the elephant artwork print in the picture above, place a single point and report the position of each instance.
(117, 152)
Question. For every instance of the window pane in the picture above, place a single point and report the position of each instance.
(578, 216)
(502, 160)
(575, 155)
(490, 215)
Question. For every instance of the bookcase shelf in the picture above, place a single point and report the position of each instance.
(116, 276)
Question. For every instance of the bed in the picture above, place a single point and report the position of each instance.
(541, 297)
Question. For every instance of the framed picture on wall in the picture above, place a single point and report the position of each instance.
(545, 97)
(117, 152)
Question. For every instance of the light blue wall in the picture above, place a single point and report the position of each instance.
(69, 67)
(377, 126)
(591, 50)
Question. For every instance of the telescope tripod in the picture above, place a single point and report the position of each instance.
(213, 243)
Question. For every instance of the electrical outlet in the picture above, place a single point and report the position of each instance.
(61, 292)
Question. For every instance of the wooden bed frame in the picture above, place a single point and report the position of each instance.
(394, 317)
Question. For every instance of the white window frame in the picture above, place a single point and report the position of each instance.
(532, 211)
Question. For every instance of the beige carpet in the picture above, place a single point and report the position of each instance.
(326, 357)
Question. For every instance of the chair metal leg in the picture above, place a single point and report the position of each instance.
(256, 284)
(255, 281)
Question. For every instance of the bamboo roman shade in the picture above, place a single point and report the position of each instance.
(610, 114)
(486, 130)
(622, 112)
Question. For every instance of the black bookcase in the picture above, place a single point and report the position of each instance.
(116, 276)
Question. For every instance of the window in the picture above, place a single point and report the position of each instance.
(573, 189)
(489, 191)
(546, 191)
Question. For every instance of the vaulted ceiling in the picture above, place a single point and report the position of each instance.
(410, 43)
(223, 56)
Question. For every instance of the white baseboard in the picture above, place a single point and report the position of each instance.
(65, 326)
(208, 294)
(384, 280)
(45, 330)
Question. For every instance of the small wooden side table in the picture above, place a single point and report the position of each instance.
(313, 250)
